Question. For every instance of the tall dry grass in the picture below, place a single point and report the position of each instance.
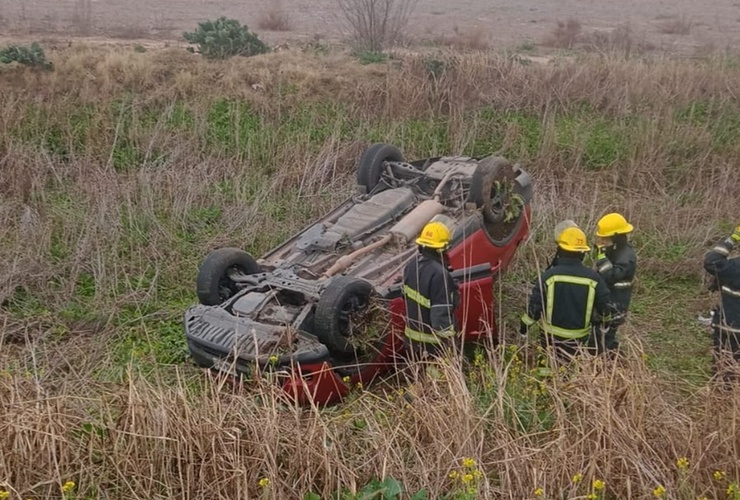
(120, 170)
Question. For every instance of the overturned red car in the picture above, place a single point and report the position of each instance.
(324, 310)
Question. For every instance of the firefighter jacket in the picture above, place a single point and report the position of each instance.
(726, 271)
(431, 299)
(568, 297)
(618, 271)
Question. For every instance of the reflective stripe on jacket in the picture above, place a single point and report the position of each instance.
(570, 295)
(431, 298)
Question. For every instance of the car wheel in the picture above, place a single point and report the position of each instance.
(343, 299)
(371, 164)
(483, 189)
(213, 284)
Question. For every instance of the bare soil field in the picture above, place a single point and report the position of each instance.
(679, 26)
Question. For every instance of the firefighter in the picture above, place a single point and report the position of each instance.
(431, 294)
(725, 318)
(616, 262)
(567, 298)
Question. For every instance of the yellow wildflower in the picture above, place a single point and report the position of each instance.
(477, 474)
(577, 478)
(719, 475)
(469, 463)
(467, 478)
(68, 486)
(731, 489)
(682, 463)
(592, 496)
(539, 492)
(264, 482)
(273, 359)
(454, 474)
(346, 379)
(4, 494)
(659, 492)
(359, 385)
(599, 485)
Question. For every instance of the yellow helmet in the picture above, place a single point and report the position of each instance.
(612, 224)
(562, 226)
(435, 235)
(573, 239)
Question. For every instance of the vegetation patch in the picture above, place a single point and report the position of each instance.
(113, 193)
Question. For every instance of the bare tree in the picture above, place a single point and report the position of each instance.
(376, 24)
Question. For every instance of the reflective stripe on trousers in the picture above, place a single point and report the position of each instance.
(429, 338)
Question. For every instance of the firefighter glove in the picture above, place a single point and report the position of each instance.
(736, 235)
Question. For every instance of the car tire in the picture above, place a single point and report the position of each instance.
(482, 187)
(371, 164)
(342, 297)
(213, 283)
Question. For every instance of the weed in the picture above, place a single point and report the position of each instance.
(32, 55)
(528, 47)
(369, 57)
(225, 38)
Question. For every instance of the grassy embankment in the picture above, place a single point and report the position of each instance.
(121, 170)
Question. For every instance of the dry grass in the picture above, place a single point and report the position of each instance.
(621, 39)
(476, 38)
(275, 19)
(190, 436)
(128, 167)
(680, 25)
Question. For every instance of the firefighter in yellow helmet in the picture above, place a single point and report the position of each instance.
(567, 298)
(430, 293)
(616, 262)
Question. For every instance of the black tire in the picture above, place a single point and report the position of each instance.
(213, 284)
(371, 164)
(482, 188)
(344, 296)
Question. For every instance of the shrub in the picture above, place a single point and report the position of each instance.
(376, 24)
(31, 55)
(224, 38)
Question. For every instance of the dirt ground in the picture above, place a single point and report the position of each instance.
(670, 25)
